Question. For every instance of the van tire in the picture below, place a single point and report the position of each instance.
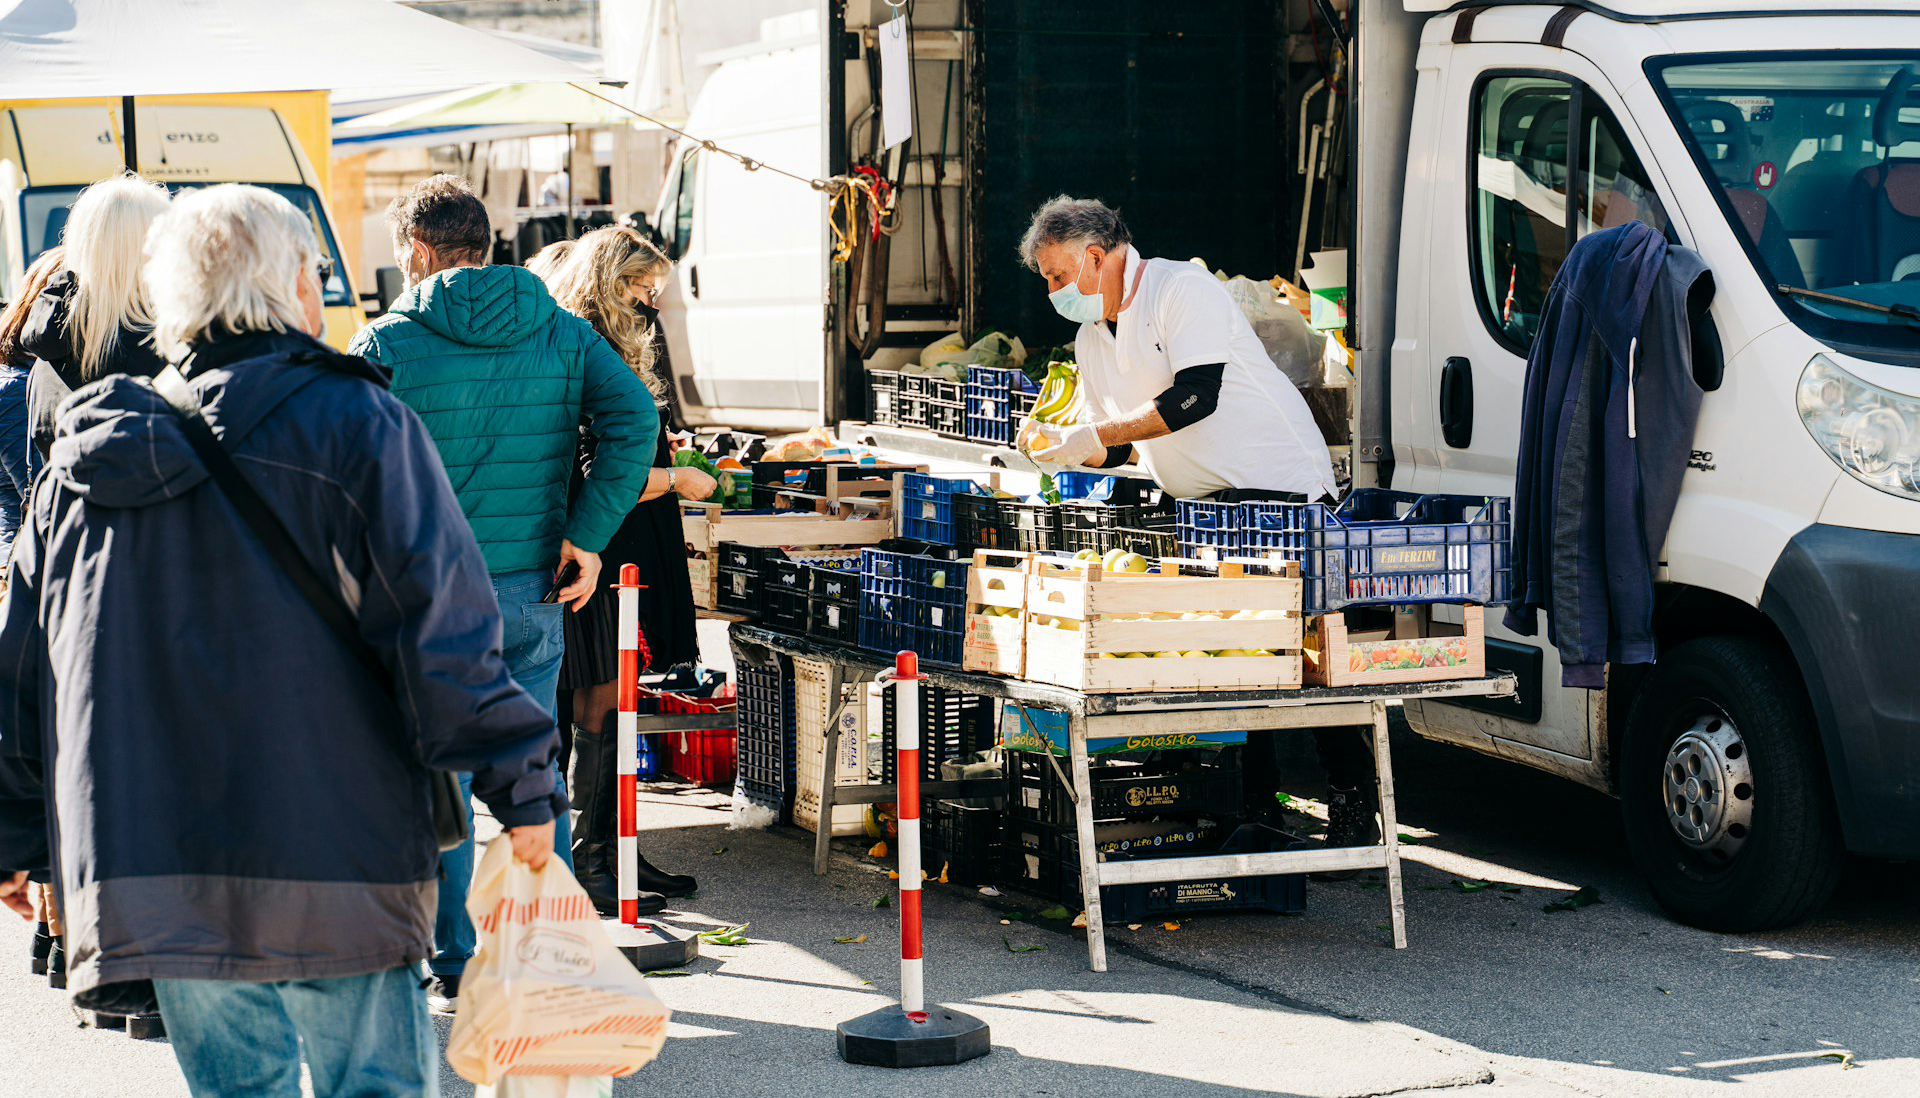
(1738, 701)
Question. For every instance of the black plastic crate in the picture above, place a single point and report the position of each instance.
(1045, 858)
(883, 397)
(964, 841)
(953, 725)
(914, 598)
(989, 522)
(742, 569)
(1153, 542)
(1184, 781)
(766, 723)
(946, 407)
(1096, 526)
(833, 603)
(1285, 893)
(784, 588)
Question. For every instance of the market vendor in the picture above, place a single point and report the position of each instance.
(1169, 366)
(1175, 378)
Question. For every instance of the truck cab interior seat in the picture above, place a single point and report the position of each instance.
(1884, 199)
(1720, 130)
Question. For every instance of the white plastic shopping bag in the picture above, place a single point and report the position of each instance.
(548, 993)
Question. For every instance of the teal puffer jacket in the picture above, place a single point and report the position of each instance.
(503, 377)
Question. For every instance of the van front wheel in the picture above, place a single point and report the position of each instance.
(1724, 790)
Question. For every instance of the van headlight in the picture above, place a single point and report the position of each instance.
(1871, 433)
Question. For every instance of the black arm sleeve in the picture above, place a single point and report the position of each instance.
(1192, 397)
(1117, 455)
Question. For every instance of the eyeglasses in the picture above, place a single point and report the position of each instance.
(323, 267)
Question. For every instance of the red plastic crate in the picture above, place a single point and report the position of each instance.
(705, 756)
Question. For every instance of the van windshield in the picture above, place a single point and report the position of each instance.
(43, 212)
(1816, 161)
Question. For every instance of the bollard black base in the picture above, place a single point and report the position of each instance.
(888, 1038)
(652, 946)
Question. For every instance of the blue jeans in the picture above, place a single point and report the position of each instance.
(362, 1036)
(532, 642)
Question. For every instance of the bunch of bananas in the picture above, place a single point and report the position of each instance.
(1058, 403)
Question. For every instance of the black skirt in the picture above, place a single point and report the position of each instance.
(651, 539)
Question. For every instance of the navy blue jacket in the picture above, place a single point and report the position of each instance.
(1606, 425)
(14, 477)
(235, 797)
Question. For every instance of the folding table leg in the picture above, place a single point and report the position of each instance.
(823, 830)
(1089, 854)
(1390, 824)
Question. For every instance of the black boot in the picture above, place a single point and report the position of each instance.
(1351, 821)
(57, 965)
(146, 1027)
(591, 782)
(42, 945)
(666, 884)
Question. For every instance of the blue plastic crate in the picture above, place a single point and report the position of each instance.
(1207, 528)
(913, 602)
(1381, 547)
(766, 720)
(990, 404)
(926, 506)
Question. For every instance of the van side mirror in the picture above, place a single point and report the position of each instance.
(1709, 358)
(391, 284)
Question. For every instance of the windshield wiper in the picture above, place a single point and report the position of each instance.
(1905, 312)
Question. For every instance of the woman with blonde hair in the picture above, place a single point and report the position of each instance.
(611, 279)
(93, 318)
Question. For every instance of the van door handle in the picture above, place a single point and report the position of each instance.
(1456, 403)
(693, 281)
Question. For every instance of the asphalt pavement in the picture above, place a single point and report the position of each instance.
(1494, 998)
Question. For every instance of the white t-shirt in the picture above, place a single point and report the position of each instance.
(1260, 435)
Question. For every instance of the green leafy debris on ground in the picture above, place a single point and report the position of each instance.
(719, 850)
(1471, 886)
(1011, 948)
(1409, 840)
(668, 972)
(882, 901)
(1057, 911)
(1841, 1056)
(1282, 798)
(850, 939)
(1584, 896)
(726, 935)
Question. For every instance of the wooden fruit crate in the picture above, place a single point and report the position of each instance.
(704, 526)
(1107, 612)
(1411, 647)
(996, 643)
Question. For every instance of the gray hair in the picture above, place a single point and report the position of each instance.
(229, 256)
(1082, 222)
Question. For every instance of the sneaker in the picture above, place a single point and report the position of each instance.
(443, 993)
(1351, 821)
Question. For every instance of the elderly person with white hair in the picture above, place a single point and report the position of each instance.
(1170, 367)
(243, 793)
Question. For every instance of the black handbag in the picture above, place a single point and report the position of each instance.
(451, 823)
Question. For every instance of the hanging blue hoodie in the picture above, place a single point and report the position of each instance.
(1606, 425)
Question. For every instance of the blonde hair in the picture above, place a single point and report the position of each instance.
(14, 318)
(592, 282)
(547, 261)
(104, 238)
(227, 257)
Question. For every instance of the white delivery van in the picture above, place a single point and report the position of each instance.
(743, 311)
(1780, 728)
(51, 150)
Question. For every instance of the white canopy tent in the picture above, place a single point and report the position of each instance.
(60, 49)
(57, 49)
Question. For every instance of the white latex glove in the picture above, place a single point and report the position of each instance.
(1076, 445)
(1029, 430)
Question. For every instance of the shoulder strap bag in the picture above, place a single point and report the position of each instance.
(451, 824)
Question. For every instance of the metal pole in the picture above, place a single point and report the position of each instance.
(906, 708)
(130, 142)
(627, 744)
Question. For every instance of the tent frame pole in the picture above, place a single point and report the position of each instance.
(130, 142)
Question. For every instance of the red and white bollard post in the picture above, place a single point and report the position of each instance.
(650, 946)
(910, 1035)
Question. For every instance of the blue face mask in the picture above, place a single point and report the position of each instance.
(1080, 308)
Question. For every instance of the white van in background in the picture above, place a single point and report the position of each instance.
(743, 311)
(51, 150)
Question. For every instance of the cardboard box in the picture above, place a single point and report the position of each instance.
(1369, 647)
